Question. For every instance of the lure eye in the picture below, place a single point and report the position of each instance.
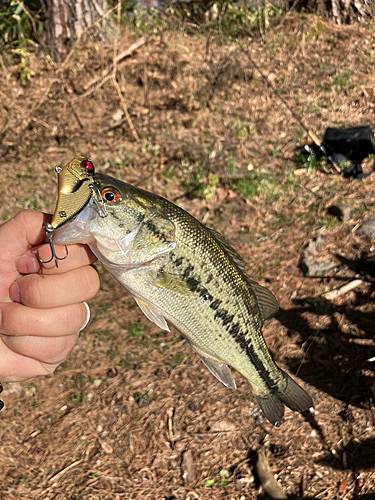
(111, 195)
(87, 164)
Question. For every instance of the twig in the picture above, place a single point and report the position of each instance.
(287, 14)
(116, 38)
(57, 476)
(267, 479)
(170, 426)
(214, 85)
(97, 86)
(39, 103)
(106, 73)
(76, 115)
(114, 74)
(6, 73)
(125, 109)
(106, 129)
(334, 294)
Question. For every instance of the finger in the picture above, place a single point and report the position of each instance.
(17, 236)
(17, 319)
(23, 232)
(78, 256)
(15, 367)
(44, 292)
(49, 350)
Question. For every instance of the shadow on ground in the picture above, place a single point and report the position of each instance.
(336, 355)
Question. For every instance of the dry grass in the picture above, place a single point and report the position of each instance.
(114, 420)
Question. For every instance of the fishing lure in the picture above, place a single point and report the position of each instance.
(76, 186)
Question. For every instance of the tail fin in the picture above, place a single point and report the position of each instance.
(292, 395)
(272, 407)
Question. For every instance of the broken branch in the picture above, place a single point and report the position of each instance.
(267, 479)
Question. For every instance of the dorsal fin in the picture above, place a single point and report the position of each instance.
(267, 302)
(236, 257)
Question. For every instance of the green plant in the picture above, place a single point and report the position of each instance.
(77, 398)
(193, 186)
(217, 481)
(210, 186)
(18, 23)
(24, 71)
(259, 184)
(342, 79)
(135, 330)
(315, 31)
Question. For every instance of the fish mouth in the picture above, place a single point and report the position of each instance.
(77, 230)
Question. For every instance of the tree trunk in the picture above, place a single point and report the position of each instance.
(341, 11)
(66, 20)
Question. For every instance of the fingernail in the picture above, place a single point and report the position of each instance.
(27, 264)
(87, 317)
(14, 292)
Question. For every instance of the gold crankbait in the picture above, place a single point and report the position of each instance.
(76, 186)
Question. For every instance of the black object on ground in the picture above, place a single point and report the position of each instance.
(339, 145)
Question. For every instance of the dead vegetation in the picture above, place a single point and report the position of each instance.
(132, 413)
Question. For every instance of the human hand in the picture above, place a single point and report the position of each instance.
(39, 327)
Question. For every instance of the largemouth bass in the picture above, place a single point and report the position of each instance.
(182, 273)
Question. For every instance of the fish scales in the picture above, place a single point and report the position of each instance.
(181, 272)
(232, 308)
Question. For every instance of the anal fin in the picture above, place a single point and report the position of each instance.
(220, 370)
(152, 314)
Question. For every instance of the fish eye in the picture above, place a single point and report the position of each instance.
(111, 195)
(87, 164)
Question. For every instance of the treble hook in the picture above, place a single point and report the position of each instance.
(49, 233)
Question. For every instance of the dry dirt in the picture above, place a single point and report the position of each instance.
(115, 419)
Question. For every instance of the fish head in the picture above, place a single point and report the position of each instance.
(132, 232)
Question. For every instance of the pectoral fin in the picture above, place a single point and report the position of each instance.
(152, 314)
(174, 283)
(220, 370)
(155, 237)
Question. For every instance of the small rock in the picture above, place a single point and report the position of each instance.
(367, 230)
(311, 267)
(187, 467)
(117, 115)
(142, 402)
(222, 426)
(106, 447)
(320, 268)
(313, 246)
(341, 211)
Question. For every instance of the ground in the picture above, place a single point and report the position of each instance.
(204, 131)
